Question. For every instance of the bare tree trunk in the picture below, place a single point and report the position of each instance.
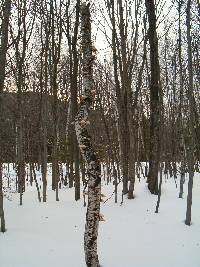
(3, 50)
(44, 159)
(44, 99)
(20, 53)
(190, 149)
(20, 157)
(2, 217)
(72, 42)
(92, 162)
(4, 41)
(44, 153)
(55, 49)
(159, 189)
(182, 143)
(121, 95)
(154, 154)
(36, 182)
(182, 169)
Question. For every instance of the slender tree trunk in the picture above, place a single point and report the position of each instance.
(121, 95)
(182, 143)
(44, 109)
(20, 158)
(182, 170)
(20, 53)
(190, 149)
(72, 43)
(55, 49)
(159, 189)
(3, 227)
(44, 153)
(92, 162)
(31, 172)
(36, 182)
(77, 171)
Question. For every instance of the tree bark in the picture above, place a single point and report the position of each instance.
(191, 146)
(182, 142)
(72, 42)
(3, 50)
(154, 153)
(84, 140)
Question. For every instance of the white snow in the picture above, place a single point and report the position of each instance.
(51, 234)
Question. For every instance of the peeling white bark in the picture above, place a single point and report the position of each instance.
(84, 140)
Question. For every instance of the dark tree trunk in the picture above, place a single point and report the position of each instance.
(182, 142)
(55, 49)
(155, 90)
(191, 148)
(3, 227)
(3, 50)
(72, 42)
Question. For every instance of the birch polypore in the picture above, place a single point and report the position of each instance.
(84, 140)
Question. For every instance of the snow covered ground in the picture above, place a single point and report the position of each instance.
(51, 234)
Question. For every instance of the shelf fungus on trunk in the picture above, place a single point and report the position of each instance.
(84, 140)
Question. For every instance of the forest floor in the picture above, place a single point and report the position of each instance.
(51, 234)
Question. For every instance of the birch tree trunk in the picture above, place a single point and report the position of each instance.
(84, 140)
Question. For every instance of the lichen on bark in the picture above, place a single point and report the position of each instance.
(84, 140)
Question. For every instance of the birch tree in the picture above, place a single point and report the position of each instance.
(85, 144)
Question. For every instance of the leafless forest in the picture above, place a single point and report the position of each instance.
(99, 87)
